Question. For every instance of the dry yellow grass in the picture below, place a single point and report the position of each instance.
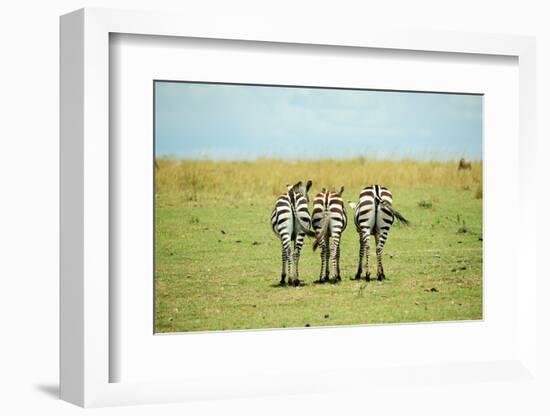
(266, 178)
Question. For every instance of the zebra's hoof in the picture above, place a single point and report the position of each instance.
(358, 276)
(381, 277)
(296, 282)
(367, 277)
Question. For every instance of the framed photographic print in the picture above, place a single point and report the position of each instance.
(326, 157)
(261, 211)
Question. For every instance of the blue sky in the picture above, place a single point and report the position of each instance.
(241, 122)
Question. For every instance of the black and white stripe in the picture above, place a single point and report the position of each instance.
(329, 220)
(374, 215)
(290, 221)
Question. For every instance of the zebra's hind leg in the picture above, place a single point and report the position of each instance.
(324, 264)
(283, 271)
(380, 241)
(327, 259)
(288, 261)
(367, 254)
(338, 277)
(334, 250)
(363, 246)
(296, 257)
(285, 255)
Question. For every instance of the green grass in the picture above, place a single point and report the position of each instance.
(218, 262)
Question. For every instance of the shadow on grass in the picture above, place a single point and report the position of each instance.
(330, 282)
(372, 280)
(327, 282)
(279, 285)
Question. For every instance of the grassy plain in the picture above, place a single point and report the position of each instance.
(218, 262)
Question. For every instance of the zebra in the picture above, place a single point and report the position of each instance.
(329, 220)
(290, 221)
(374, 215)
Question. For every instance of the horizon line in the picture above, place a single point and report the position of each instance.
(344, 159)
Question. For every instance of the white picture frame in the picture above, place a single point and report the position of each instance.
(85, 355)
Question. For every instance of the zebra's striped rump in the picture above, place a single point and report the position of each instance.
(329, 220)
(374, 215)
(290, 221)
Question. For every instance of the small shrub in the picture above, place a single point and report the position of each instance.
(425, 204)
(194, 220)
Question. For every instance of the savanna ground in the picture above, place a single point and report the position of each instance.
(218, 262)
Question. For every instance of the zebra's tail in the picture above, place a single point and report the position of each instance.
(304, 228)
(401, 217)
(322, 234)
(396, 213)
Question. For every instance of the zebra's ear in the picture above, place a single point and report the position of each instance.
(341, 190)
(288, 187)
(297, 185)
(308, 185)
